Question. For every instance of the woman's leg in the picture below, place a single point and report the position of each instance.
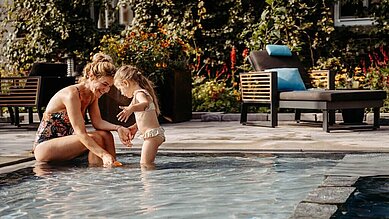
(150, 149)
(105, 140)
(69, 147)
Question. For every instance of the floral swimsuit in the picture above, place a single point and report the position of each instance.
(54, 125)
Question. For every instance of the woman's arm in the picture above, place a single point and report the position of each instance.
(99, 123)
(73, 106)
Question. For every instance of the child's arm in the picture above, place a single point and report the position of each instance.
(125, 113)
(142, 104)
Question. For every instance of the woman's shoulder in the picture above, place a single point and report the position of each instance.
(69, 92)
(63, 96)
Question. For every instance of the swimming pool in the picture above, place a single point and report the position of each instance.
(370, 199)
(180, 187)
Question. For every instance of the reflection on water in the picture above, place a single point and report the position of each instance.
(178, 187)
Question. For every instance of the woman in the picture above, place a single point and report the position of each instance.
(62, 135)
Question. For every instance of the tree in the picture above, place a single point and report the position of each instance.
(46, 30)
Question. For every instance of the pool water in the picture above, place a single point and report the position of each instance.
(370, 199)
(205, 186)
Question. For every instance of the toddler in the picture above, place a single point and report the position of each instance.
(132, 84)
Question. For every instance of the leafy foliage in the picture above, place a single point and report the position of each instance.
(210, 27)
(45, 30)
(305, 26)
(221, 34)
(214, 96)
(356, 44)
(155, 53)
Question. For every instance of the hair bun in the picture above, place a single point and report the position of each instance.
(101, 57)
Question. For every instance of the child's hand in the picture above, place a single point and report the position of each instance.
(124, 114)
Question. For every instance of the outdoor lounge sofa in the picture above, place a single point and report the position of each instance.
(260, 88)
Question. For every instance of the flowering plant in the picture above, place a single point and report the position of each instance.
(350, 79)
(155, 53)
(214, 96)
(345, 77)
(377, 74)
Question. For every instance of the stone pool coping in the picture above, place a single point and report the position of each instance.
(338, 185)
(222, 133)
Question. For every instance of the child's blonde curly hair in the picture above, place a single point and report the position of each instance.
(129, 72)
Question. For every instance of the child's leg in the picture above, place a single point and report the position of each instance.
(150, 149)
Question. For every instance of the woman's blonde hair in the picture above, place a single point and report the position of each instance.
(101, 65)
(128, 72)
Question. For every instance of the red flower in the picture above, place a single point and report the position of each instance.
(233, 58)
(245, 53)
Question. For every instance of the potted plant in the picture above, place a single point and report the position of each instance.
(163, 57)
(355, 80)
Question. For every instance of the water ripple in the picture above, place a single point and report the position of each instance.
(180, 187)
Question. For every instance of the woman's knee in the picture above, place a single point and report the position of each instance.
(106, 135)
(43, 153)
(98, 138)
(103, 138)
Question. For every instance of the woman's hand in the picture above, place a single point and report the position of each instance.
(124, 114)
(125, 136)
(108, 160)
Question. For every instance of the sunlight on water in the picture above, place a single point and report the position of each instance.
(179, 187)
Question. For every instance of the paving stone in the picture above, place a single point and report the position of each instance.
(313, 210)
(210, 117)
(362, 165)
(233, 117)
(339, 181)
(329, 195)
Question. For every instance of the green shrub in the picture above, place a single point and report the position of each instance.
(37, 30)
(214, 96)
(377, 78)
(156, 53)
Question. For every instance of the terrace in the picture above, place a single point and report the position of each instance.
(210, 166)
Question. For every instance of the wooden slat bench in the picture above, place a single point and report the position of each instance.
(19, 92)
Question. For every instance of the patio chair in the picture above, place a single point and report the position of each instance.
(260, 88)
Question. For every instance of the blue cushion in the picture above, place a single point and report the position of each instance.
(289, 79)
(278, 50)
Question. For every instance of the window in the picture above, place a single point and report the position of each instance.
(354, 12)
